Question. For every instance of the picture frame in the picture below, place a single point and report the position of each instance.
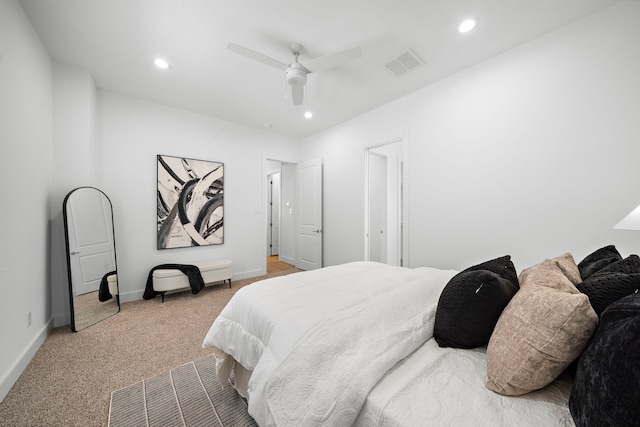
(190, 202)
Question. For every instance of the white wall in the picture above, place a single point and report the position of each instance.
(26, 173)
(131, 133)
(75, 164)
(532, 153)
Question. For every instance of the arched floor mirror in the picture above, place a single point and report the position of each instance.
(91, 257)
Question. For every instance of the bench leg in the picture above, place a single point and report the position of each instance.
(229, 283)
(162, 293)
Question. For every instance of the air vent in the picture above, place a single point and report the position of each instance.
(401, 64)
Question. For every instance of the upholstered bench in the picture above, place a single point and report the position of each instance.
(112, 282)
(165, 280)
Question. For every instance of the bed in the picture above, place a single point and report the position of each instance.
(354, 344)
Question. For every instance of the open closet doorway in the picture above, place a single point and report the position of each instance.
(273, 214)
(280, 218)
(300, 222)
(385, 210)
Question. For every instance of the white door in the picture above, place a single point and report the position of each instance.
(310, 215)
(91, 242)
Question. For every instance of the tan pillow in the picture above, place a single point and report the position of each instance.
(545, 326)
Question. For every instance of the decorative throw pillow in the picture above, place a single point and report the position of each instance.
(598, 260)
(611, 283)
(502, 266)
(605, 389)
(545, 326)
(565, 263)
(629, 265)
(471, 303)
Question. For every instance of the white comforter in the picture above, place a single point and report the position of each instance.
(444, 387)
(287, 330)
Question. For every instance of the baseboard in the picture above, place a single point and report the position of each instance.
(248, 274)
(130, 296)
(288, 260)
(10, 378)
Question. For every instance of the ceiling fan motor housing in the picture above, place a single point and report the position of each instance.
(296, 75)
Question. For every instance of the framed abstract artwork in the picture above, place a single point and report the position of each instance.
(190, 202)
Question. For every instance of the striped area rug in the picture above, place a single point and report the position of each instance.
(189, 395)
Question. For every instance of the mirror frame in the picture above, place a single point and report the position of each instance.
(116, 297)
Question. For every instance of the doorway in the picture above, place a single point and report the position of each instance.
(280, 215)
(385, 230)
(273, 214)
(295, 226)
(378, 212)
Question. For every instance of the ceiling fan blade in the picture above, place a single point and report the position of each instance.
(333, 60)
(257, 56)
(297, 94)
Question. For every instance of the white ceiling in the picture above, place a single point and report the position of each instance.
(117, 41)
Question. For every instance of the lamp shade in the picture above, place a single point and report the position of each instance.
(631, 221)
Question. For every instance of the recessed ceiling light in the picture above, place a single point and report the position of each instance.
(308, 114)
(467, 25)
(161, 63)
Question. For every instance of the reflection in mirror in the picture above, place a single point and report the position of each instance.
(91, 257)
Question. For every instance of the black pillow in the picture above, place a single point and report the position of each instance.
(471, 303)
(598, 260)
(611, 283)
(605, 389)
(502, 266)
(630, 264)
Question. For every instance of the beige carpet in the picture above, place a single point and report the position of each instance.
(189, 395)
(70, 379)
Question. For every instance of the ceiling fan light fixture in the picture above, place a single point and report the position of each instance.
(296, 75)
(467, 25)
(162, 63)
(308, 114)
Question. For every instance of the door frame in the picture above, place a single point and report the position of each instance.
(403, 191)
(263, 227)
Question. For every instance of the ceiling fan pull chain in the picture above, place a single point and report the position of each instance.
(286, 88)
(306, 99)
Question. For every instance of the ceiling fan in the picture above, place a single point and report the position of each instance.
(296, 72)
